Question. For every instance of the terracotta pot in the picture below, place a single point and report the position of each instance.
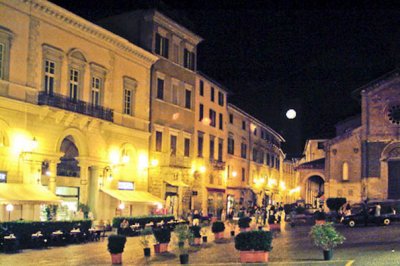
(213, 219)
(319, 221)
(275, 227)
(247, 229)
(219, 235)
(160, 248)
(197, 241)
(116, 258)
(254, 256)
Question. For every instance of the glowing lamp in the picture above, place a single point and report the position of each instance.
(234, 174)
(154, 162)
(202, 169)
(9, 207)
(121, 206)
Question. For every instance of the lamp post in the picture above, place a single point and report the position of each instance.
(9, 208)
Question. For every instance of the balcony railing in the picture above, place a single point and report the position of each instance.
(217, 164)
(77, 106)
(178, 161)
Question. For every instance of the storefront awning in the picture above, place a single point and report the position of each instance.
(26, 194)
(132, 196)
(177, 183)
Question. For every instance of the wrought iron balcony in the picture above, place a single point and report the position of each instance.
(77, 106)
(178, 161)
(217, 164)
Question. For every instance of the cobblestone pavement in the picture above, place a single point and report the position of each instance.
(364, 246)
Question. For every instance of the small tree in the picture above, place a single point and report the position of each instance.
(146, 237)
(326, 237)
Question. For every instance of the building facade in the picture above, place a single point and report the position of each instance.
(74, 113)
(173, 80)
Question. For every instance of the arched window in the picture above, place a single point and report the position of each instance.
(345, 171)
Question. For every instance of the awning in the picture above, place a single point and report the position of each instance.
(132, 196)
(176, 183)
(26, 193)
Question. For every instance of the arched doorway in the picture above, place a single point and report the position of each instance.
(314, 189)
(394, 173)
(68, 165)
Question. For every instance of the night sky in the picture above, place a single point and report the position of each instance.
(275, 57)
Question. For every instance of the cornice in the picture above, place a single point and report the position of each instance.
(63, 16)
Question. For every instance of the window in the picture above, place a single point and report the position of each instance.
(255, 155)
(212, 145)
(129, 93)
(231, 145)
(255, 132)
(188, 99)
(160, 89)
(161, 45)
(172, 147)
(49, 75)
(3, 177)
(213, 118)
(5, 45)
(175, 94)
(188, 59)
(277, 163)
(212, 94)
(320, 145)
(97, 84)
(220, 149)
(201, 112)
(243, 150)
(244, 125)
(261, 157)
(243, 175)
(201, 89)
(73, 84)
(127, 101)
(186, 152)
(200, 144)
(268, 159)
(221, 98)
(231, 118)
(345, 171)
(158, 141)
(221, 121)
(272, 160)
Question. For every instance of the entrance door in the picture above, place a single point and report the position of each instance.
(394, 180)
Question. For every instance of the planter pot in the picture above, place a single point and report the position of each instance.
(147, 252)
(247, 229)
(213, 219)
(328, 254)
(181, 244)
(116, 258)
(319, 221)
(184, 258)
(232, 233)
(254, 256)
(160, 248)
(204, 239)
(219, 235)
(274, 227)
(197, 241)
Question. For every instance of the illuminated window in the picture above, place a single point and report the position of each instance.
(345, 171)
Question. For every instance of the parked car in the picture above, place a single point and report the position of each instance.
(364, 214)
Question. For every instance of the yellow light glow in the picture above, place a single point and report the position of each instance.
(159, 205)
(262, 180)
(253, 127)
(206, 121)
(143, 161)
(125, 159)
(22, 142)
(121, 206)
(9, 207)
(48, 173)
(175, 116)
(272, 182)
(114, 156)
(202, 169)
(234, 174)
(282, 185)
(154, 162)
(294, 190)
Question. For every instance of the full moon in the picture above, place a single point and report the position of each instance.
(291, 114)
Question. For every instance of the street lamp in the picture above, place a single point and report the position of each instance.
(9, 208)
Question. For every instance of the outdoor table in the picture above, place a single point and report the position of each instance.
(95, 234)
(10, 244)
(38, 240)
(75, 235)
(57, 238)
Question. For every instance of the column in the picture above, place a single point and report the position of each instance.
(95, 174)
(52, 178)
(84, 174)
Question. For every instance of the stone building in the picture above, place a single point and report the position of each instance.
(209, 190)
(74, 115)
(172, 114)
(363, 160)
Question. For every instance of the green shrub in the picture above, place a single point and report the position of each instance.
(142, 220)
(182, 232)
(254, 240)
(218, 227)
(325, 236)
(334, 204)
(195, 231)
(244, 222)
(116, 244)
(162, 235)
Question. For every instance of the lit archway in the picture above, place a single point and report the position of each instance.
(68, 165)
(314, 188)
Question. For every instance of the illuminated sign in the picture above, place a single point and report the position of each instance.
(3, 177)
(125, 185)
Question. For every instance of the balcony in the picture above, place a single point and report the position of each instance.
(77, 106)
(217, 164)
(177, 161)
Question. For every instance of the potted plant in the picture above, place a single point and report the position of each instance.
(204, 232)
(320, 217)
(116, 245)
(244, 224)
(326, 237)
(183, 233)
(195, 229)
(232, 224)
(163, 237)
(254, 246)
(145, 238)
(218, 229)
(272, 225)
